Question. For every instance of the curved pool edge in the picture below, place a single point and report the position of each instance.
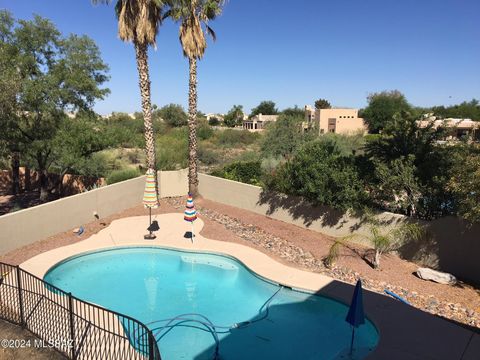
(186, 251)
(392, 319)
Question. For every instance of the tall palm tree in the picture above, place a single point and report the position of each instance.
(192, 14)
(139, 22)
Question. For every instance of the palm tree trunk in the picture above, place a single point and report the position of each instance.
(376, 261)
(192, 129)
(141, 52)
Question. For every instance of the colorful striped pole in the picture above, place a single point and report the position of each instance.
(190, 213)
(150, 197)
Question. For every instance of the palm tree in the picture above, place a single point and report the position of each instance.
(192, 14)
(384, 239)
(139, 22)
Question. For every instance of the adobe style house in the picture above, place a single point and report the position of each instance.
(258, 122)
(456, 129)
(337, 120)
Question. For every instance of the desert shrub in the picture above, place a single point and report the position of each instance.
(246, 172)
(213, 121)
(172, 150)
(321, 174)
(208, 156)
(235, 138)
(122, 175)
(247, 156)
(204, 131)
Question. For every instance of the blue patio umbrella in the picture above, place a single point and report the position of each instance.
(356, 316)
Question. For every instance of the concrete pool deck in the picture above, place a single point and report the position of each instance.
(405, 332)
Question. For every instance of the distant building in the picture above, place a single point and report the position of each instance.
(456, 129)
(108, 116)
(258, 122)
(338, 121)
(217, 116)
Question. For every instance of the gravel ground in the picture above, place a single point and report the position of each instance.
(301, 248)
(306, 249)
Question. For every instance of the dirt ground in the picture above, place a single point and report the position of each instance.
(393, 270)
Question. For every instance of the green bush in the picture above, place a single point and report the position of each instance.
(235, 138)
(321, 174)
(207, 156)
(122, 175)
(172, 150)
(204, 131)
(246, 172)
(214, 121)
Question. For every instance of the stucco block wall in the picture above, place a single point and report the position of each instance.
(451, 245)
(29, 225)
(173, 183)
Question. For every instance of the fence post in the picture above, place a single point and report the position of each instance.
(151, 347)
(20, 297)
(72, 326)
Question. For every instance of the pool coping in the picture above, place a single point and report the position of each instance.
(433, 338)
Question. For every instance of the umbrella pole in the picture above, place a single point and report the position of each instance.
(353, 337)
(192, 232)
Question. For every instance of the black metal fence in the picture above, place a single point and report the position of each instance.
(78, 329)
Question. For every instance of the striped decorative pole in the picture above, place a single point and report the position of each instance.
(150, 197)
(190, 213)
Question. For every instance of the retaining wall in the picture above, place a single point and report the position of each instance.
(39, 222)
(451, 245)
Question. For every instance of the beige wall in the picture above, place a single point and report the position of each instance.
(29, 225)
(451, 245)
(346, 121)
(173, 183)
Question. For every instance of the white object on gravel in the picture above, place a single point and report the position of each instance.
(437, 276)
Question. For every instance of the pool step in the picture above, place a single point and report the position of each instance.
(210, 261)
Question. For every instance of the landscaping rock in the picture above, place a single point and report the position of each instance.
(437, 276)
(306, 260)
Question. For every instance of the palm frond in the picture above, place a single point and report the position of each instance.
(211, 33)
(333, 253)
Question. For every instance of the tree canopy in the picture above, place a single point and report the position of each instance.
(294, 111)
(381, 108)
(265, 108)
(322, 175)
(283, 137)
(465, 110)
(234, 117)
(54, 75)
(322, 104)
(174, 115)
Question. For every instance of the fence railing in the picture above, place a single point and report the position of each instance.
(78, 329)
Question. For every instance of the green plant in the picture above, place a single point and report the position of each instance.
(204, 131)
(213, 121)
(322, 175)
(207, 156)
(382, 237)
(122, 175)
(235, 138)
(172, 150)
(246, 172)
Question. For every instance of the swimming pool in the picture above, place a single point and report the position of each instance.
(252, 318)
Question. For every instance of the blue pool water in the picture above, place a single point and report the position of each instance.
(150, 284)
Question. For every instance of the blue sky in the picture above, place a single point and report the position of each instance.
(293, 52)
